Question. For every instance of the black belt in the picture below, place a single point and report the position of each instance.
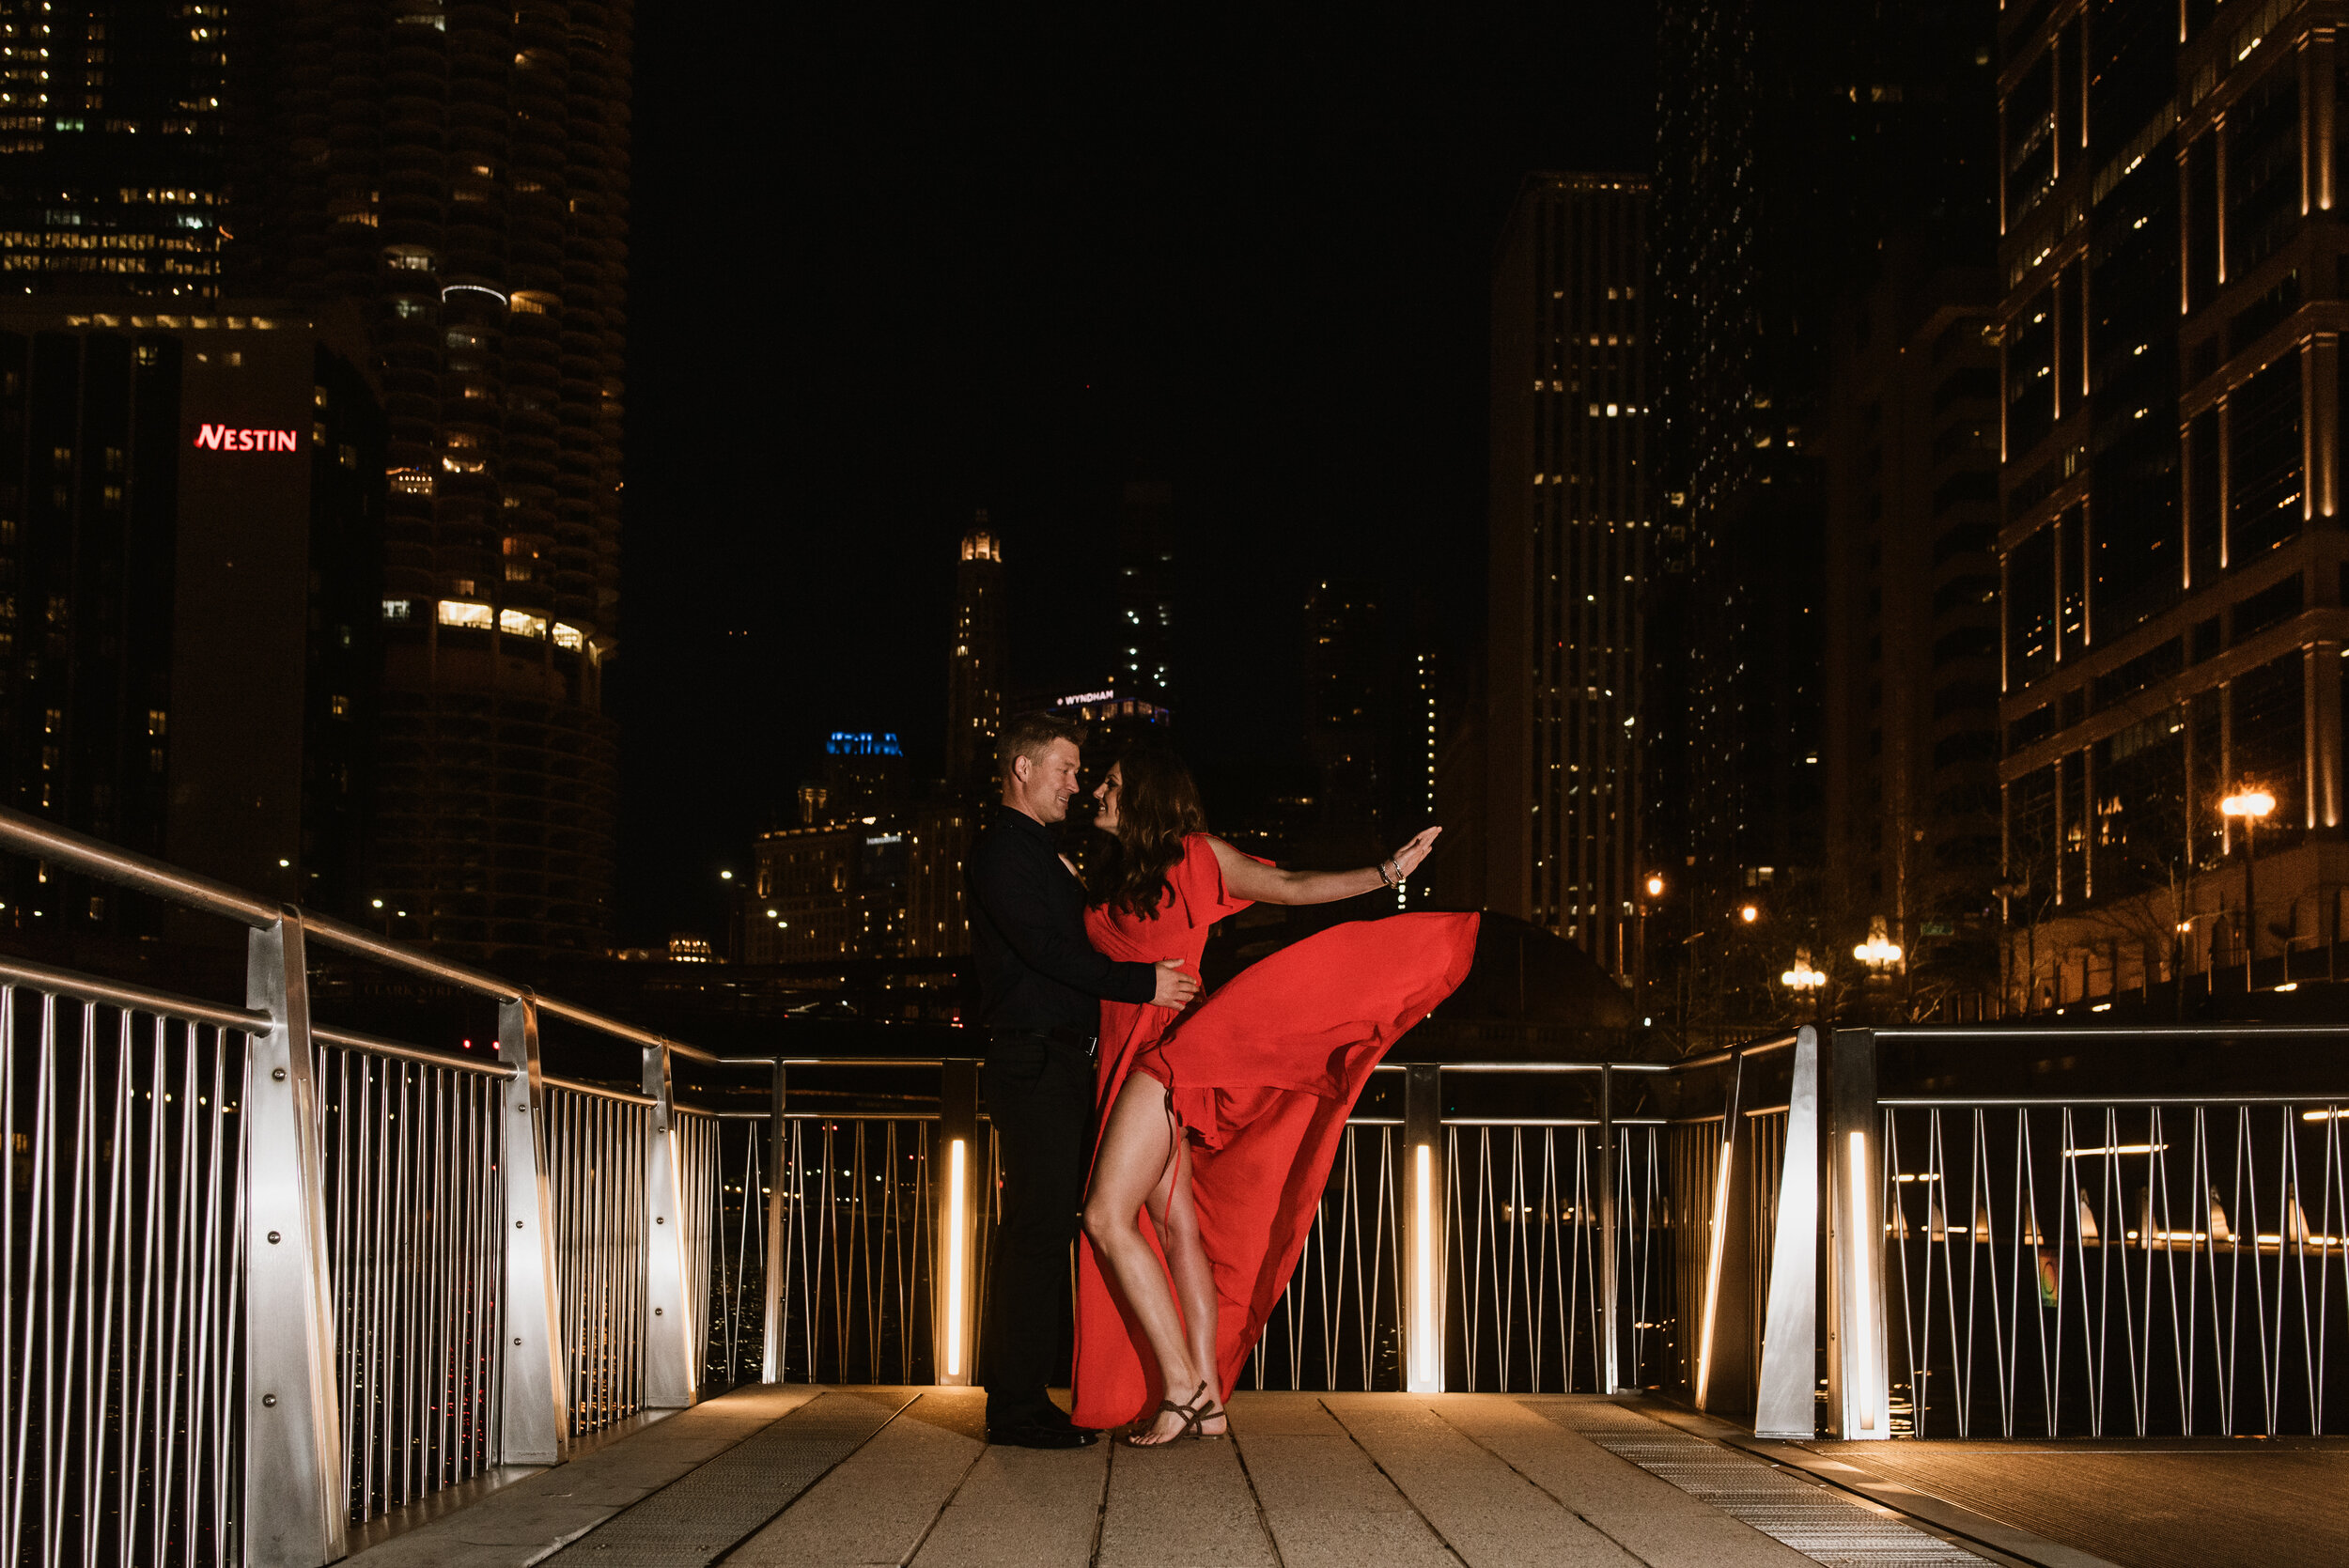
(1061, 1035)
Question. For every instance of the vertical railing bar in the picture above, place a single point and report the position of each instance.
(774, 1287)
(39, 1264)
(138, 1434)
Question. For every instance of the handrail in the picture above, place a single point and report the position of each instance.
(23, 831)
(30, 836)
(136, 999)
(575, 1086)
(2109, 1031)
(350, 1039)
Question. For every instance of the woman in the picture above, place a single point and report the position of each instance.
(1221, 1124)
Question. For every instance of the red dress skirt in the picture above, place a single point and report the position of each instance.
(1262, 1075)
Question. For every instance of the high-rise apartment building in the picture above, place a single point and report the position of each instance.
(111, 128)
(2171, 549)
(1912, 690)
(459, 175)
(976, 671)
(1571, 524)
(1146, 594)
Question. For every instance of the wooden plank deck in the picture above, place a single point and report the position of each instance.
(791, 1477)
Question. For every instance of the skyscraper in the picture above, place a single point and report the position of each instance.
(459, 173)
(1911, 739)
(2171, 544)
(111, 124)
(188, 598)
(982, 654)
(1790, 139)
(1146, 594)
(1572, 520)
(1344, 710)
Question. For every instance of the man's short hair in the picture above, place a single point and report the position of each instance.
(1031, 735)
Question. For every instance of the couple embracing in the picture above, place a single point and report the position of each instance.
(1182, 1144)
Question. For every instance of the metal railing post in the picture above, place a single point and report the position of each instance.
(778, 1141)
(1720, 1333)
(955, 1166)
(1787, 1401)
(671, 1339)
(1423, 1228)
(294, 1504)
(533, 1428)
(1859, 1392)
(1610, 1314)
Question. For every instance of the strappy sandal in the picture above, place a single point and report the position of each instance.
(1194, 1411)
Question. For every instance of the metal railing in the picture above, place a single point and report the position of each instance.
(266, 1278)
(269, 1277)
(2137, 1231)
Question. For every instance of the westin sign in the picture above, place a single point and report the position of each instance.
(229, 437)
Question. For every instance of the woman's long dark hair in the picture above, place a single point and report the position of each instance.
(1156, 805)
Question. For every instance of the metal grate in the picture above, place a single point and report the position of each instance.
(700, 1518)
(1794, 1512)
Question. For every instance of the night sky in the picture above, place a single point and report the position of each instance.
(889, 264)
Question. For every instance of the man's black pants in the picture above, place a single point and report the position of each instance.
(1040, 1096)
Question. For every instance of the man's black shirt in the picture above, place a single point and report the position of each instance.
(1036, 968)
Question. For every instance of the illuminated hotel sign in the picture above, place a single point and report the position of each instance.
(230, 438)
(1081, 698)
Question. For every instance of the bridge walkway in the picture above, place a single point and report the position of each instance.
(777, 1475)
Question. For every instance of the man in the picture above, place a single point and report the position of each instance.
(1041, 984)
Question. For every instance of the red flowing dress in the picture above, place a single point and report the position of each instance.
(1262, 1074)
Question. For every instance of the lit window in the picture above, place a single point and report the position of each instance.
(339, 706)
(396, 609)
(517, 622)
(473, 617)
(568, 637)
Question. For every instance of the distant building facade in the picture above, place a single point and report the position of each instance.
(2169, 546)
(1146, 594)
(1790, 141)
(1572, 525)
(1344, 692)
(1111, 717)
(459, 176)
(1912, 669)
(191, 513)
(111, 151)
(884, 886)
(981, 659)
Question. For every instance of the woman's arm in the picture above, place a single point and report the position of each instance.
(1252, 879)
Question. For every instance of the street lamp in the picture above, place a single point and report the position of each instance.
(1748, 913)
(1879, 952)
(1804, 979)
(2249, 804)
(1655, 889)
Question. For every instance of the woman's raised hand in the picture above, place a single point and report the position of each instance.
(1407, 858)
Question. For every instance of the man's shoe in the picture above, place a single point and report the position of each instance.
(1035, 1436)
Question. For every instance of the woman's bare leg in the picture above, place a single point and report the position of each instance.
(1173, 1210)
(1131, 1161)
